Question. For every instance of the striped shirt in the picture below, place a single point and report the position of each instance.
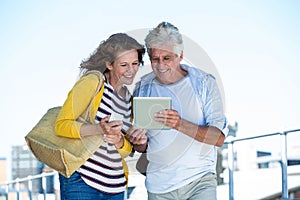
(104, 170)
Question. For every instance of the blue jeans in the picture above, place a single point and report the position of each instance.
(74, 188)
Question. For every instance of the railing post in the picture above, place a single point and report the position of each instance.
(18, 188)
(6, 191)
(231, 168)
(285, 192)
(44, 185)
(30, 187)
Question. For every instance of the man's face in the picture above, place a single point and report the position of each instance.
(165, 65)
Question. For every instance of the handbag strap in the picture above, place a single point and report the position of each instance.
(100, 88)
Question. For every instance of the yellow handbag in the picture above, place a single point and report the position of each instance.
(63, 154)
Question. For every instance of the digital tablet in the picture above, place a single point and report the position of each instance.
(144, 109)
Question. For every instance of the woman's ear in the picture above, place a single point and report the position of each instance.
(108, 65)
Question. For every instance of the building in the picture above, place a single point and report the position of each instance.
(24, 164)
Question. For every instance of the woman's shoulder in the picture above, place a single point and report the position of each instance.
(87, 84)
(92, 76)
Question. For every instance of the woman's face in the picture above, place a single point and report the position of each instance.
(123, 69)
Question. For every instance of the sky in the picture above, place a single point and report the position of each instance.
(253, 45)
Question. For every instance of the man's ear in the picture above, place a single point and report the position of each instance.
(181, 56)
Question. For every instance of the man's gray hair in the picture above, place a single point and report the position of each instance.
(164, 35)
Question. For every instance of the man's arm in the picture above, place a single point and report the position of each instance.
(206, 134)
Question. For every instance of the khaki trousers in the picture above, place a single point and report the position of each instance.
(203, 188)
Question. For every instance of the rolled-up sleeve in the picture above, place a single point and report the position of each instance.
(213, 105)
(126, 149)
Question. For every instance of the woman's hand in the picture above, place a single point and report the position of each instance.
(112, 131)
(137, 136)
(169, 118)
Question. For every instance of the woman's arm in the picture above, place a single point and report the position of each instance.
(76, 103)
(138, 138)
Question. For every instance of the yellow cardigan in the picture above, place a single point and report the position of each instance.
(75, 104)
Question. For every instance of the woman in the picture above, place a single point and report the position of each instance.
(103, 175)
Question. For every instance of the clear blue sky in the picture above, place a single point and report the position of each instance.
(255, 46)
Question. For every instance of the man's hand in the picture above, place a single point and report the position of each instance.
(169, 118)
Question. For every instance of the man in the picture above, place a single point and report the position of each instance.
(182, 159)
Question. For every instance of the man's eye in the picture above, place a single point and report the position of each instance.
(135, 63)
(123, 65)
(166, 58)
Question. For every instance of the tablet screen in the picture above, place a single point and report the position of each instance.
(144, 109)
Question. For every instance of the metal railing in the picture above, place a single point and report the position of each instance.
(230, 142)
(29, 180)
(283, 161)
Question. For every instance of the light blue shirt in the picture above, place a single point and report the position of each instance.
(176, 159)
